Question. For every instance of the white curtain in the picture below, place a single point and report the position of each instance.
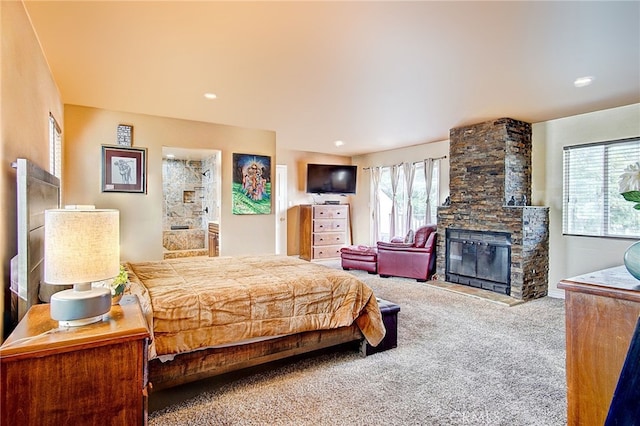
(428, 180)
(395, 177)
(409, 173)
(375, 211)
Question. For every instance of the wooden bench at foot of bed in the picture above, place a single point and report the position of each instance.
(201, 364)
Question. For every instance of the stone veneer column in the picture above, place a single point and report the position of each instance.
(490, 166)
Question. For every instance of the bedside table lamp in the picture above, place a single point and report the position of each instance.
(81, 246)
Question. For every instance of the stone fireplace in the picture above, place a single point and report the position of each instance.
(489, 236)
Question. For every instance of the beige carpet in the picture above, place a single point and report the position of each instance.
(460, 360)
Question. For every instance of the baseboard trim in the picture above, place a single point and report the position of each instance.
(556, 293)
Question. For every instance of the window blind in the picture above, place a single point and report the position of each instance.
(592, 204)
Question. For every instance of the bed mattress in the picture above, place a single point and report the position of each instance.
(196, 303)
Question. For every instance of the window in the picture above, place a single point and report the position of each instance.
(592, 205)
(419, 215)
(419, 196)
(55, 148)
(386, 202)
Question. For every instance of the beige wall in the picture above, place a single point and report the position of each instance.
(361, 202)
(570, 256)
(296, 162)
(86, 129)
(28, 95)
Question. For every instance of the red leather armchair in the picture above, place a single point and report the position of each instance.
(410, 260)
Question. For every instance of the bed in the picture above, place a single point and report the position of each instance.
(209, 316)
(36, 191)
(246, 296)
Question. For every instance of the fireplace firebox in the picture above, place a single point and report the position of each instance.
(479, 259)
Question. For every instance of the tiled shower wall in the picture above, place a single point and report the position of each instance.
(189, 195)
(210, 183)
(183, 193)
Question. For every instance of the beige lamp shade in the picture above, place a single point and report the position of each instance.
(81, 246)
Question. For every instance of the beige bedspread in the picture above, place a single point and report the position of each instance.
(194, 303)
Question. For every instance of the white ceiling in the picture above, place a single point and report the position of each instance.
(376, 75)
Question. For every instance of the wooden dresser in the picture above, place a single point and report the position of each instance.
(324, 230)
(90, 375)
(602, 309)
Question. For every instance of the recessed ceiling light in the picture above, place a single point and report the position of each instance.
(338, 143)
(583, 81)
(210, 95)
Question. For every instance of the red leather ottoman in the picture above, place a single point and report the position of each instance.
(363, 258)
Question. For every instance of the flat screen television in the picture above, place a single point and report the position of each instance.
(331, 179)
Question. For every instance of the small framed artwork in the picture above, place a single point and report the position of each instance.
(251, 184)
(124, 169)
(124, 135)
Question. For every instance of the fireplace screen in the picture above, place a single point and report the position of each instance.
(479, 259)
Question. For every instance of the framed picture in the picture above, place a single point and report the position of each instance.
(124, 169)
(251, 184)
(124, 135)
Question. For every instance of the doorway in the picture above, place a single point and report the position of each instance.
(191, 200)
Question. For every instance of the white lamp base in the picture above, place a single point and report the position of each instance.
(80, 322)
(81, 305)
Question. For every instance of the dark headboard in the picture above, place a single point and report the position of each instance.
(37, 191)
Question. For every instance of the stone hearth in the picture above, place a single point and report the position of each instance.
(490, 185)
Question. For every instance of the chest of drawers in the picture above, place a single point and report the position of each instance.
(324, 230)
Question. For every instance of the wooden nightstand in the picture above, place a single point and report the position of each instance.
(90, 375)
